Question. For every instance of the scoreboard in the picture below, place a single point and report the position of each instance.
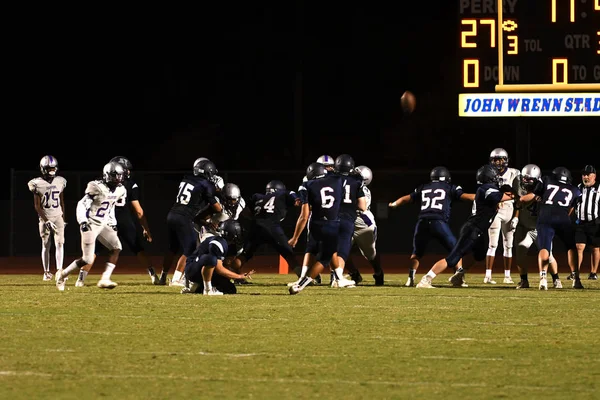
(529, 57)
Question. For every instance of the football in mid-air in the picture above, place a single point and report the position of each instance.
(408, 102)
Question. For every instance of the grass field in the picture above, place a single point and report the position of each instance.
(140, 341)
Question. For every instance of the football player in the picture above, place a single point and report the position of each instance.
(270, 209)
(504, 221)
(558, 197)
(436, 199)
(204, 269)
(324, 194)
(328, 162)
(473, 239)
(196, 192)
(95, 215)
(127, 229)
(49, 203)
(353, 200)
(526, 233)
(365, 233)
(233, 206)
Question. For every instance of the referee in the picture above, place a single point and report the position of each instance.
(588, 220)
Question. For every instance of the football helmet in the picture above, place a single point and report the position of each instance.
(562, 174)
(499, 159)
(125, 163)
(197, 164)
(113, 174)
(487, 174)
(440, 174)
(230, 230)
(327, 161)
(48, 166)
(530, 174)
(315, 170)
(205, 168)
(366, 174)
(274, 186)
(344, 164)
(231, 194)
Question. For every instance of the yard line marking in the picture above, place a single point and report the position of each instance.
(23, 373)
(290, 381)
(463, 358)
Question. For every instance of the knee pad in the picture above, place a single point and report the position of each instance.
(88, 259)
(492, 250)
(508, 252)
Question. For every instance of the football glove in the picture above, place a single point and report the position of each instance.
(51, 226)
(84, 226)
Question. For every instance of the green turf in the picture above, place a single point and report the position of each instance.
(140, 341)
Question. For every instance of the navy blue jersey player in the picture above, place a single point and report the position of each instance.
(324, 194)
(435, 198)
(270, 208)
(204, 269)
(473, 238)
(353, 198)
(196, 192)
(558, 197)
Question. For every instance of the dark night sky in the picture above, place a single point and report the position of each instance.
(213, 82)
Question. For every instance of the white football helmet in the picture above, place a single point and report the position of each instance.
(499, 159)
(48, 166)
(113, 173)
(327, 161)
(529, 175)
(366, 174)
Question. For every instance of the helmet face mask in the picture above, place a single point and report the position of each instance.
(231, 194)
(530, 174)
(113, 174)
(499, 159)
(48, 166)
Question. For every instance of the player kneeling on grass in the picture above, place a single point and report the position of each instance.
(204, 269)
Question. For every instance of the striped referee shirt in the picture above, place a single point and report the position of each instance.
(587, 209)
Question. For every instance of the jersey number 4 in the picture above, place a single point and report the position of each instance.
(270, 205)
(432, 199)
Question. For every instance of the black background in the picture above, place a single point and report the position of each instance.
(256, 86)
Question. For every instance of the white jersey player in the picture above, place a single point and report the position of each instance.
(49, 203)
(365, 229)
(232, 207)
(526, 232)
(95, 215)
(504, 221)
